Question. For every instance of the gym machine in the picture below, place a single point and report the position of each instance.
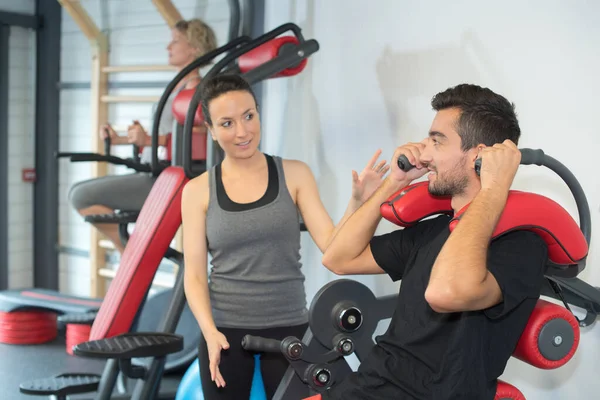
(344, 314)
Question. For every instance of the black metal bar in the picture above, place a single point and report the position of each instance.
(89, 157)
(45, 192)
(257, 28)
(234, 19)
(114, 85)
(581, 289)
(149, 387)
(585, 219)
(18, 19)
(4, 79)
(247, 8)
(72, 251)
(108, 379)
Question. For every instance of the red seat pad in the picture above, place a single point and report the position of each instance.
(159, 220)
(506, 391)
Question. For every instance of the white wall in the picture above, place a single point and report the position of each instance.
(138, 35)
(21, 145)
(370, 86)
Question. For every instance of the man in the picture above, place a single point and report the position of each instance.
(464, 301)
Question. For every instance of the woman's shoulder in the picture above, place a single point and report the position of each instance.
(296, 169)
(196, 188)
(292, 163)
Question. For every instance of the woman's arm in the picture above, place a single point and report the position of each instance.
(193, 213)
(318, 222)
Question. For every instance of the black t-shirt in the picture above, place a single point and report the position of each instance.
(430, 355)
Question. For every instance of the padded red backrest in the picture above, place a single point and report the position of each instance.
(268, 51)
(523, 211)
(159, 220)
(537, 213)
(181, 104)
(180, 107)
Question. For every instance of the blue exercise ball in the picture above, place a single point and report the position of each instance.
(190, 387)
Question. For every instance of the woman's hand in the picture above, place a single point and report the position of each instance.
(216, 342)
(107, 131)
(137, 135)
(369, 180)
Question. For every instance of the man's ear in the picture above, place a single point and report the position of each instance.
(477, 151)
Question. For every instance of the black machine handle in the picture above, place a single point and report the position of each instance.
(261, 344)
(107, 146)
(282, 61)
(156, 167)
(528, 157)
(538, 157)
(87, 157)
(136, 153)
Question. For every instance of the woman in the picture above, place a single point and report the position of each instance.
(189, 40)
(244, 211)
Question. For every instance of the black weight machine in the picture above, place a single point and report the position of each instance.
(344, 314)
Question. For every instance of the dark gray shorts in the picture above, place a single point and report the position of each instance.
(119, 192)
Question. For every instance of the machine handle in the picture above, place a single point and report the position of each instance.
(107, 146)
(528, 157)
(88, 157)
(261, 344)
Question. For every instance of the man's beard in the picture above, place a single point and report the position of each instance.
(450, 183)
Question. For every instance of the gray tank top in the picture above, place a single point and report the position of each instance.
(256, 279)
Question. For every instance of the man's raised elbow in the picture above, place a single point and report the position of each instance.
(447, 299)
(332, 265)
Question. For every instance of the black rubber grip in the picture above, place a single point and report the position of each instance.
(403, 163)
(532, 156)
(107, 146)
(261, 344)
(528, 157)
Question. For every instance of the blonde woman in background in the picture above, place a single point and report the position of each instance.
(189, 40)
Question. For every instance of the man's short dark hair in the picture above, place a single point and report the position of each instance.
(486, 117)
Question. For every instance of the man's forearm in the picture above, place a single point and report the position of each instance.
(461, 265)
(353, 206)
(354, 233)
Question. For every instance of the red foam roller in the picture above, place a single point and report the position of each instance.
(506, 391)
(20, 316)
(268, 51)
(75, 334)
